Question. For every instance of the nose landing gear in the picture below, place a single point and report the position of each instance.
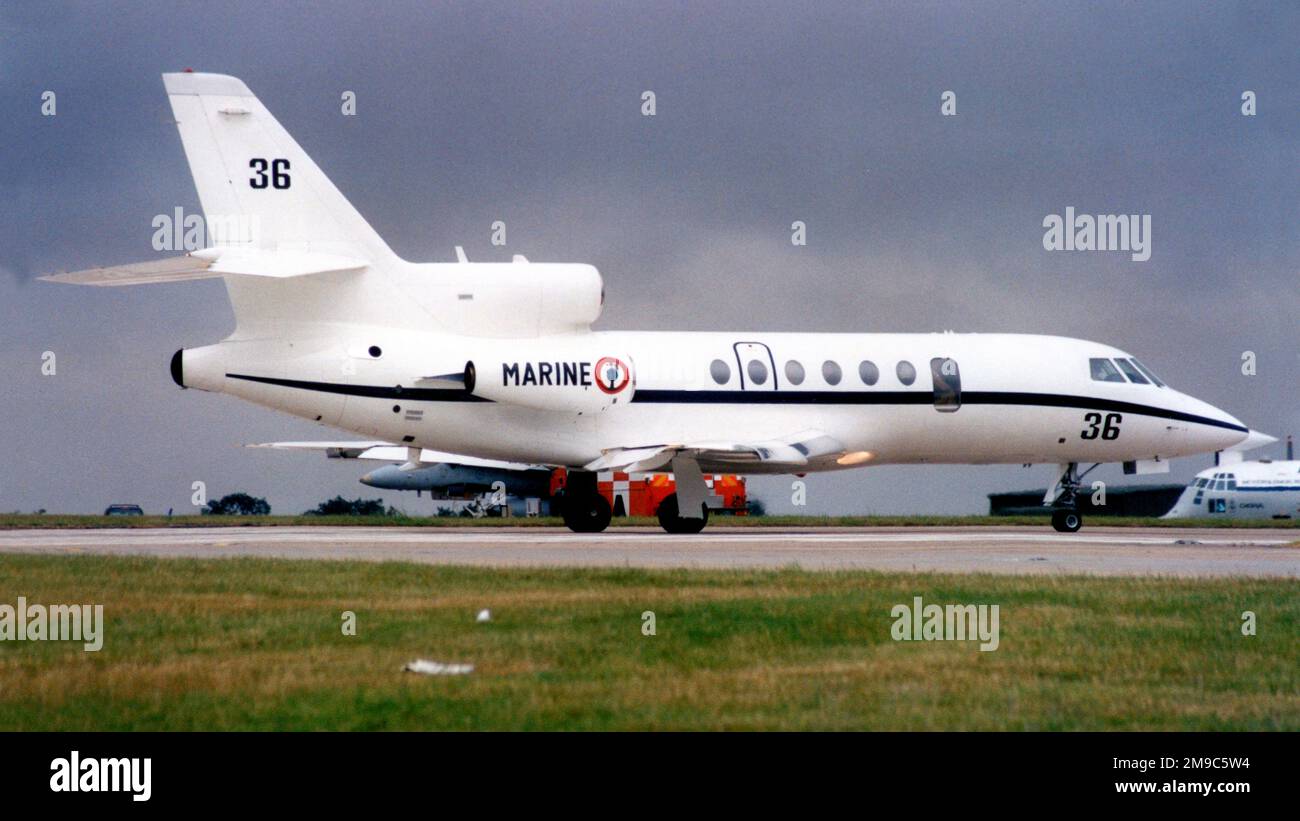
(1066, 521)
(1066, 517)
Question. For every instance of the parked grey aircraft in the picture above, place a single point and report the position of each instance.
(434, 472)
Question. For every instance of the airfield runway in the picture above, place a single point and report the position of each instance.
(1015, 550)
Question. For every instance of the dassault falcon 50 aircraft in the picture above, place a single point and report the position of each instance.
(499, 361)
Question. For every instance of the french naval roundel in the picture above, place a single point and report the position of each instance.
(611, 375)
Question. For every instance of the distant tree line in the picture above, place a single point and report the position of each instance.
(338, 506)
(237, 504)
(242, 504)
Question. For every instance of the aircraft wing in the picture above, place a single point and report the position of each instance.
(388, 452)
(794, 451)
(333, 450)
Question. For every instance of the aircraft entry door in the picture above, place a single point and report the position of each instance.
(947, 384)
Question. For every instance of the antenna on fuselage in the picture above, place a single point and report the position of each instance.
(460, 254)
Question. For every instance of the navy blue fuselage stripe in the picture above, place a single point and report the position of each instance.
(370, 391)
(1050, 400)
(773, 397)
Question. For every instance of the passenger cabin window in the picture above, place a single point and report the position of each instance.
(868, 372)
(794, 373)
(720, 371)
(1131, 372)
(757, 372)
(906, 372)
(831, 372)
(1103, 370)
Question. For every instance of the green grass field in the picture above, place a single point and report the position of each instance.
(257, 644)
(12, 521)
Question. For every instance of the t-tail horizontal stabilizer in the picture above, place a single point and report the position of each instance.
(211, 263)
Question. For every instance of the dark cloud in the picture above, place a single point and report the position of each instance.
(767, 113)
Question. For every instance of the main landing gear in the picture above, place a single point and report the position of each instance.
(1066, 517)
(583, 508)
(687, 510)
(672, 521)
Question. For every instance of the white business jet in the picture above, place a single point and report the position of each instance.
(498, 360)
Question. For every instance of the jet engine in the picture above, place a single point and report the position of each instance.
(508, 300)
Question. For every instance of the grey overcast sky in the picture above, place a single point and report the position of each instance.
(767, 113)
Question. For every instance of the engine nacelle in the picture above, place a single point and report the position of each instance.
(562, 378)
(507, 300)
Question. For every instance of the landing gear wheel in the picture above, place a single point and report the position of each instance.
(1066, 521)
(586, 513)
(671, 522)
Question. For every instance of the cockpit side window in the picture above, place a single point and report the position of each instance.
(1103, 370)
(1131, 372)
(1155, 380)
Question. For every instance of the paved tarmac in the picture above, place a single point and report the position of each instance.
(1111, 551)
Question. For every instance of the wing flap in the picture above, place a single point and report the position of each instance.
(793, 451)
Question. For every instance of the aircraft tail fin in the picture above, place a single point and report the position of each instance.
(259, 189)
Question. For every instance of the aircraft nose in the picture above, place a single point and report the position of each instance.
(1219, 429)
(368, 479)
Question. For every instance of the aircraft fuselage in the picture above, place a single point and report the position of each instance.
(1006, 398)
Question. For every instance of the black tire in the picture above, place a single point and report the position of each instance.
(671, 522)
(1066, 521)
(586, 514)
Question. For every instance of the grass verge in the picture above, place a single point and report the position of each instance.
(246, 644)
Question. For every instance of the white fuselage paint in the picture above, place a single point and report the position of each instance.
(1024, 398)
